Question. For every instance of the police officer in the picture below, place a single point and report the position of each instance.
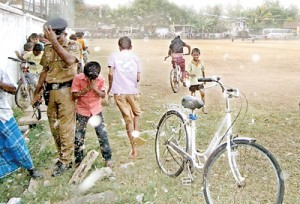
(59, 63)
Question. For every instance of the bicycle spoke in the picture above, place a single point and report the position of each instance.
(171, 130)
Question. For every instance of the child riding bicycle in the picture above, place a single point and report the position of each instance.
(176, 52)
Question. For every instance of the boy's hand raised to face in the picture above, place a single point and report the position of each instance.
(92, 85)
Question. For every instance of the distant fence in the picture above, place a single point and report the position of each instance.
(16, 26)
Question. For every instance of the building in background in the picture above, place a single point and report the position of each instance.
(45, 9)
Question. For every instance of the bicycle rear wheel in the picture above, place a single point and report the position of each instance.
(174, 80)
(171, 128)
(22, 97)
(262, 173)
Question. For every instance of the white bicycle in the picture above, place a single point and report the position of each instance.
(235, 169)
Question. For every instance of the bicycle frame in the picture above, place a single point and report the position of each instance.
(23, 67)
(178, 72)
(26, 86)
(234, 168)
(176, 76)
(193, 155)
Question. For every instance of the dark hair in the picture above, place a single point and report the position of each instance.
(28, 46)
(79, 34)
(92, 69)
(124, 42)
(33, 35)
(37, 47)
(73, 37)
(197, 50)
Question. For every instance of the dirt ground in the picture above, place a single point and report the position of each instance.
(265, 71)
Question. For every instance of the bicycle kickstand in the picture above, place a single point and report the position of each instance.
(35, 109)
(189, 179)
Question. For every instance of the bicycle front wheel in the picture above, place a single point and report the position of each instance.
(174, 80)
(171, 129)
(263, 180)
(22, 97)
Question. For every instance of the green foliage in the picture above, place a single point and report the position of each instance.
(270, 14)
(150, 14)
(18, 112)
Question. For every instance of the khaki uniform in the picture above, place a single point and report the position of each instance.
(61, 107)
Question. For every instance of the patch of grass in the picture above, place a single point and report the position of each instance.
(18, 112)
(273, 125)
(142, 176)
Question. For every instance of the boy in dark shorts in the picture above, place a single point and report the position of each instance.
(195, 70)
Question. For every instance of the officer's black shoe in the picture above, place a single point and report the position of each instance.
(78, 157)
(35, 174)
(60, 168)
(78, 162)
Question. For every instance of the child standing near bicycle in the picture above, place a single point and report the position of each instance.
(195, 70)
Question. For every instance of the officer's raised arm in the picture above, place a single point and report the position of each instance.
(54, 31)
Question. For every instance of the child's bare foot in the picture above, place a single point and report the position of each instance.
(109, 163)
(204, 110)
(133, 154)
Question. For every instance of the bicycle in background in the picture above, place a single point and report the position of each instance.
(235, 169)
(175, 76)
(26, 87)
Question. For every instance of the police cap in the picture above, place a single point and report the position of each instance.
(58, 25)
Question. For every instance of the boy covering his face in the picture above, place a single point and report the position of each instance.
(89, 89)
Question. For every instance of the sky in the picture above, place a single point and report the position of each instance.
(197, 4)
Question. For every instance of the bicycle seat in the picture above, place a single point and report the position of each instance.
(192, 102)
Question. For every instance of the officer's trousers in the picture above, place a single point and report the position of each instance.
(61, 116)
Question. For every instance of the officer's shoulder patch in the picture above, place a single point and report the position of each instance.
(73, 47)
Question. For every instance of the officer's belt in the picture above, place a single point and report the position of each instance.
(56, 86)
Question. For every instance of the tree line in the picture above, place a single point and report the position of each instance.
(148, 15)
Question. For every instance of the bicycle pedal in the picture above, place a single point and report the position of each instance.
(186, 181)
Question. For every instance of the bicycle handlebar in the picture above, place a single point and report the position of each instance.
(14, 59)
(18, 60)
(209, 79)
(230, 91)
(170, 56)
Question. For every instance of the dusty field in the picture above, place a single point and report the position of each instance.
(267, 72)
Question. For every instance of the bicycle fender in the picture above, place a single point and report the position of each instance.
(240, 139)
(247, 139)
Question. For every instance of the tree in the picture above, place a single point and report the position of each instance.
(148, 15)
